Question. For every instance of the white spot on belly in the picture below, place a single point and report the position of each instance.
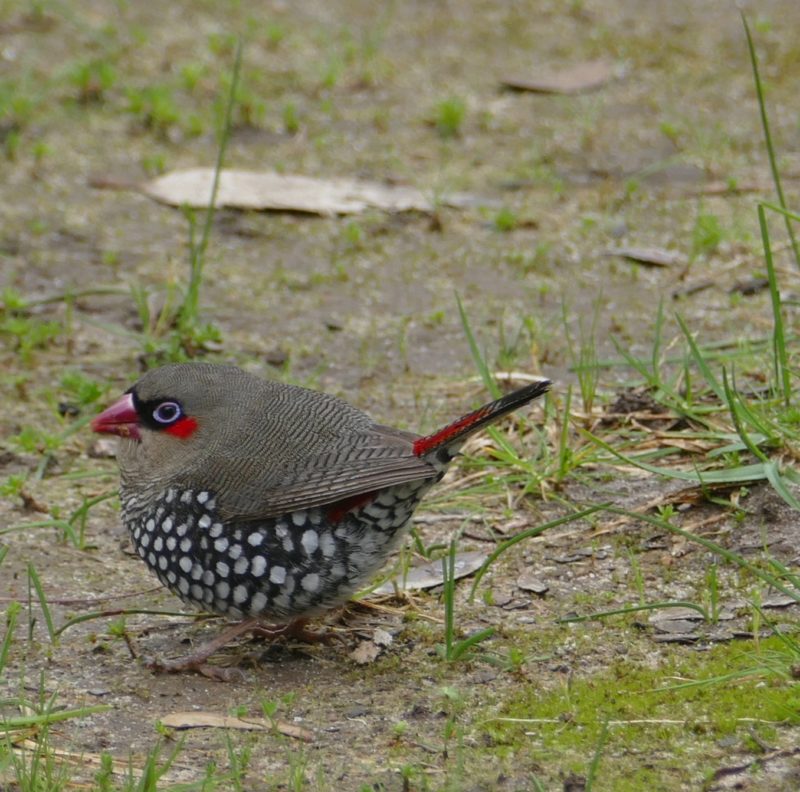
(204, 521)
(255, 539)
(277, 575)
(258, 603)
(328, 545)
(258, 566)
(310, 582)
(240, 567)
(185, 563)
(310, 541)
(239, 594)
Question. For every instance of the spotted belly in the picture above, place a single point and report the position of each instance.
(295, 565)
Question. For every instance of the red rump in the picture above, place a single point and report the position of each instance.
(183, 428)
(425, 444)
(336, 511)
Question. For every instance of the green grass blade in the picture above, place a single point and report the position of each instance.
(191, 304)
(779, 485)
(591, 774)
(107, 614)
(781, 210)
(34, 721)
(781, 361)
(477, 357)
(635, 608)
(539, 529)
(701, 362)
(738, 475)
(462, 647)
(733, 400)
(773, 162)
(12, 612)
(33, 576)
(722, 552)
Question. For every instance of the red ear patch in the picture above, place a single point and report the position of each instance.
(183, 428)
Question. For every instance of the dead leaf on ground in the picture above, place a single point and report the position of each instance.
(778, 601)
(648, 256)
(266, 190)
(749, 286)
(430, 575)
(366, 652)
(213, 720)
(527, 581)
(572, 79)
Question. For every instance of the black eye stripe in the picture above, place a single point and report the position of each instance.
(155, 413)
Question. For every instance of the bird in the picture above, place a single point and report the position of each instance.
(260, 500)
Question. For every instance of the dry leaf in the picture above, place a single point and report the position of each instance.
(213, 720)
(577, 78)
(366, 652)
(529, 582)
(382, 638)
(266, 190)
(649, 256)
(430, 575)
(778, 601)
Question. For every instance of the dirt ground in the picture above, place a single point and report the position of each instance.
(668, 154)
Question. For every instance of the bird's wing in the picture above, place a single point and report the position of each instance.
(384, 458)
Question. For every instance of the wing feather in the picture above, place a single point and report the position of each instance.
(383, 459)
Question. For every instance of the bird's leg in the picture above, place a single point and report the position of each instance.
(294, 629)
(196, 661)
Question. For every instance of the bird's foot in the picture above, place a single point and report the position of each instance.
(182, 664)
(196, 661)
(296, 630)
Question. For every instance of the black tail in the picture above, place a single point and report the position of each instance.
(463, 427)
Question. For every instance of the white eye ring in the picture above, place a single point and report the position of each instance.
(167, 412)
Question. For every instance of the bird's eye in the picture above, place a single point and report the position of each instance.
(167, 412)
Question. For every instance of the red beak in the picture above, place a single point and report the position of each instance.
(120, 419)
